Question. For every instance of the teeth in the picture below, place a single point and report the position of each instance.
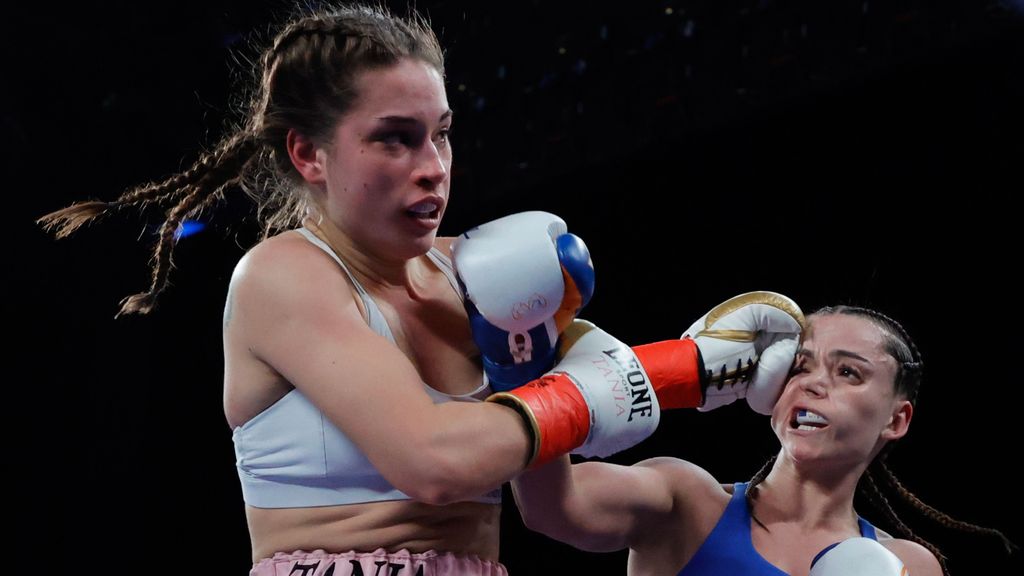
(423, 208)
(806, 416)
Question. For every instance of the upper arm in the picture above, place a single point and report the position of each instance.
(294, 311)
(919, 560)
(300, 318)
(600, 507)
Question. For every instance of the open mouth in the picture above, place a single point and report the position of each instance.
(426, 210)
(806, 420)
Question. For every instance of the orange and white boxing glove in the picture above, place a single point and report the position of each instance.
(596, 401)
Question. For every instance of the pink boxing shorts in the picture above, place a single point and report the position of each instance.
(377, 563)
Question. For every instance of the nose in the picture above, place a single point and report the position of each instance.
(814, 384)
(432, 166)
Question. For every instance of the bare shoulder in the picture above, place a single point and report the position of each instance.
(680, 471)
(697, 503)
(284, 279)
(690, 485)
(279, 253)
(919, 560)
(287, 262)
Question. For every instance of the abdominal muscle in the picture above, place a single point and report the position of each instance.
(463, 528)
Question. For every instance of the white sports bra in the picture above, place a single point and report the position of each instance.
(291, 456)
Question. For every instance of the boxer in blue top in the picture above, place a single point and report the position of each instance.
(851, 393)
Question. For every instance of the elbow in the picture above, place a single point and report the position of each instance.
(546, 524)
(535, 520)
(541, 513)
(556, 520)
(436, 480)
(541, 527)
(563, 529)
(437, 495)
(433, 491)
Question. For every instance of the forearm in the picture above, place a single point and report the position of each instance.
(464, 450)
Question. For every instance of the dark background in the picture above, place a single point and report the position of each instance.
(840, 152)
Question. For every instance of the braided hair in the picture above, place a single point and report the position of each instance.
(306, 82)
(879, 485)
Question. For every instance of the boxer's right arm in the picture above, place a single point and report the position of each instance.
(604, 507)
(598, 506)
(313, 335)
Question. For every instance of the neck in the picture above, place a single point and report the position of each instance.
(375, 271)
(819, 499)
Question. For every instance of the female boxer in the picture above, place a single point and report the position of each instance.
(850, 395)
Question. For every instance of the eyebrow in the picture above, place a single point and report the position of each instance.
(834, 354)
(410, 120)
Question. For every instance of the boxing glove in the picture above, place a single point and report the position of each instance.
(596, 401)
(742, 348)
(857, 557)
(524, 278)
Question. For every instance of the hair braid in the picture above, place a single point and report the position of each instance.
(933, 514)
(751, 493)
(220, 169)
(869, 488)
(911, 368)
(296, 30)
(232, 154)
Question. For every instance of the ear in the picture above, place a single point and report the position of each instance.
(306, 157)
(899, 421)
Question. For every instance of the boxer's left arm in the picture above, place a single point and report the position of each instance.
(524, 279)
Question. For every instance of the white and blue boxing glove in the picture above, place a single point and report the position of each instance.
(857, 557)
(524, 279)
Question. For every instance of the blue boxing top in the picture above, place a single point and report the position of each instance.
(729, 549)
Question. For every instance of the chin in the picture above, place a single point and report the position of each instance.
(424, 244)
(803, 449)
(801, 456)
(409, 246)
